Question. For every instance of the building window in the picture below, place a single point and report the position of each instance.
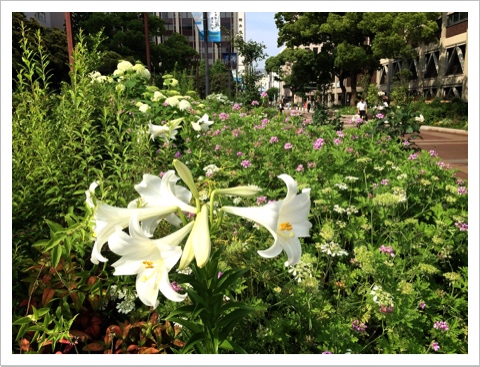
(41, 17)
(455, 60)
(431, 62)
(458, 17)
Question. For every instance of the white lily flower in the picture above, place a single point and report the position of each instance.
(88, 194)
(420, 119)
(198, 244)
(162, 197)
(150, 260)
(108, 217)
(157, 130)
(184, 105)
(167, 131)
(157, 192)
(285, 219)
(203, 124)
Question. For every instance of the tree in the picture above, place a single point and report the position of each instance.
(300, 68)
(397, 34)
(219, 79)
(272, 93)
(125, 36)
(252, 52)
(175, 53)
(357, 41)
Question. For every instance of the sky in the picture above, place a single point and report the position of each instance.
(261, 28)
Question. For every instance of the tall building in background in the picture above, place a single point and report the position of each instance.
(231, 23)
(50, 20)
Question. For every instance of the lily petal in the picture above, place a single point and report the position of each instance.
(108, 217)
(266, 215)
(157, 130)
(156, 191)
(150, 259)
(201, 242)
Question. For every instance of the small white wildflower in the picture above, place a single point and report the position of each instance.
(340, 224)
(333, 249)
(126, 306)
(351, 178)
(237, 200)
(342, 186)
(351, 210)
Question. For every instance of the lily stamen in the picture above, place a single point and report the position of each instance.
(149, 264)
(286, 226)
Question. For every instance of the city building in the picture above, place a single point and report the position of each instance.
(440, 69)
(231, 23)
(48, 19)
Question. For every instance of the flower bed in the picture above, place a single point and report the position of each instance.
(228, 228)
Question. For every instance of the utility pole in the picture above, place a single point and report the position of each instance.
(205, 41)
(68, 28)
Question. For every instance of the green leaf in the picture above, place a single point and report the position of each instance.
(229, 345)
(194, 339)
(228, 323)
(229, 277)
(54, 241)
(39, 244)
(188, 324)
(54, 227)
(23, 320)
(56, 255)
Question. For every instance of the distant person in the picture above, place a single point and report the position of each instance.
(362, 109)
(280, 108)
(308, 106)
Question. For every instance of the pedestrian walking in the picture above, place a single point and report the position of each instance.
(308, 106)
(362, 109)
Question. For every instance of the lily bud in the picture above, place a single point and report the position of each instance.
(186, 176)
(244, 191)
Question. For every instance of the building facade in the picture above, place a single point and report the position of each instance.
(439, 70)
(48, 19)
(231, 23)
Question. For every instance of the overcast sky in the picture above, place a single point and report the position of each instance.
(260, 27)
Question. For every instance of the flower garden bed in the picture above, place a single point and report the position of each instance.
(227, 228)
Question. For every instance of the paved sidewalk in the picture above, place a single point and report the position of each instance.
(450, 144)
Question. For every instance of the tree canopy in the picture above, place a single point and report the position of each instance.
(356, 41)
(125, 36)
